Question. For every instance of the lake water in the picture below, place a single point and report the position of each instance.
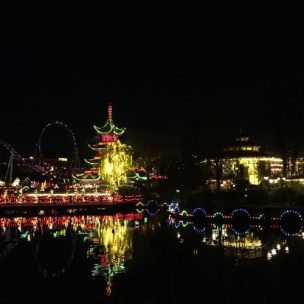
(142, 258)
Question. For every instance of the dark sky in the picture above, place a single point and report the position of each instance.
(167, 69)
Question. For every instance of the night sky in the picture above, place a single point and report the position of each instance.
(173, 73)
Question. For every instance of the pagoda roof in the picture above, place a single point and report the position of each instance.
(91, 162)
(97, 147)
(242, 146)
(86, 176)
(109, 127)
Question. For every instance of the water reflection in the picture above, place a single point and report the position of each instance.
(53, 249)
(109, 239)
(110, 254)
(110, 247)
(53, 240)
(240, 241)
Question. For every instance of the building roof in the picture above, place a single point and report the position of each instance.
(242, 146)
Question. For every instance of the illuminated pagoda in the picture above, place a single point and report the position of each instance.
(112, 158)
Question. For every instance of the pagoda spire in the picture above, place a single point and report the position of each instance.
(109, 127)
(110, 112)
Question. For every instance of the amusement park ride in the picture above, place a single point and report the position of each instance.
(64, 181)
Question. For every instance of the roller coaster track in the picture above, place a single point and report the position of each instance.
(75, 163)
(24, 161)
(41, 165)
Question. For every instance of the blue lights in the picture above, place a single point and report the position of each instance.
(240, 211)
(199, 212)
(290, 221)
(290, 212)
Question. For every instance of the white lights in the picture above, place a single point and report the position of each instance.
(278, 247)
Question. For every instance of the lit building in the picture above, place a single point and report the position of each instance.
(112, 158)
(244, 161)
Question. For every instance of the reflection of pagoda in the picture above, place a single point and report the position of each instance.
(115, 239)
(112, 158)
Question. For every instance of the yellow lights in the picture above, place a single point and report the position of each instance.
(62, 159)
(243, 148)
(296, 180)
(253, 169)
(242, 138)
(245, 162)
(116, 238)
(251, 164)
(278, 246)
(112, 159)
(276, 250)
(245, 242)
(247, 148)
(273, 251)
(115, 163)
(249, 246)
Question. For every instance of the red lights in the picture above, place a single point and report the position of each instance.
(108, 138)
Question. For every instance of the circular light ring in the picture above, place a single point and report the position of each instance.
(240, 210)
(290, 211)
(152, 213)
(139, 204)
(291, 234)
(152, 202)
(152, 207)
(201, 210)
